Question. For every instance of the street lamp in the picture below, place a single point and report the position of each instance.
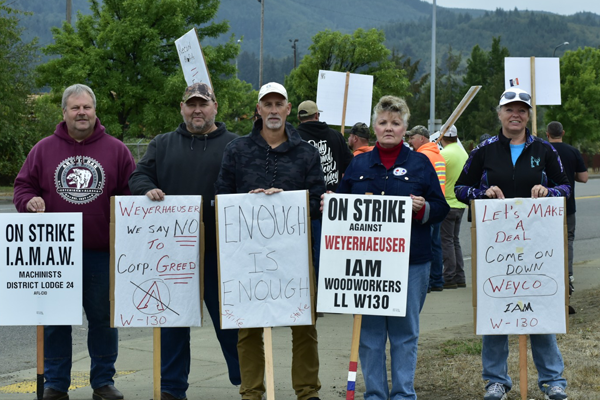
(295, 48)
(562, 44)
(236, 60)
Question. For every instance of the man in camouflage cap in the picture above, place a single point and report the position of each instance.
(187, 162)
(358, 139)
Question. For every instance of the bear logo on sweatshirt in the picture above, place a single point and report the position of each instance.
(79, 179)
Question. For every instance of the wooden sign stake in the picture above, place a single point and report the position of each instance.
(353, 367)
(345, 101)
(269, 370)
(156, 363)
(534, 119)
(468, 97)
(40, 362)
(523, 366)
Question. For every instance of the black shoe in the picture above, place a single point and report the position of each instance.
(461, 284)
(572, 310)
(314, 398)
(53, 394)
(169, 396)
(450, 285)
(108, 392)
(436, 288)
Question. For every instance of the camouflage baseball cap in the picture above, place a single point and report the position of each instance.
(198, 89)
(418, 130)
(361, 129)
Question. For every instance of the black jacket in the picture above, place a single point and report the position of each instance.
(333, 150)
(180, 163)
(490, 164)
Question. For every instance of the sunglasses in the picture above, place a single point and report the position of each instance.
(512, 95)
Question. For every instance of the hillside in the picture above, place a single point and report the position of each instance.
(407, 25)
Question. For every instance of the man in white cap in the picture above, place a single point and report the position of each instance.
(455, 156)
(271, 159)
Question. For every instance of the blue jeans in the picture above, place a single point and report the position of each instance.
(175, 342)
(546, 357)
(403, 333)
(436, 275)
(102, 340)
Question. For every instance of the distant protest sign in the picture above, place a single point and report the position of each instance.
(365, 245)
(520, 266)
(517, 73)
(264, 269)
(155, 261)
(192, 59)
(331, 86)
(40, 269)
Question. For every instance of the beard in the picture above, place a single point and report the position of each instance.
(203, 127)
(274, 124)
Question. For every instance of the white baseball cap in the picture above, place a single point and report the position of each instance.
(272, 87)
(515, 94)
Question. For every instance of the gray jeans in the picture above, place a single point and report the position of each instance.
(451, 250)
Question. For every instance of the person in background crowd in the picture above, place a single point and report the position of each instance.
(388, 169)
(502, 167)
(576, 171)
(358, 139)
(418, 138)
(78, 169)
(455, 156)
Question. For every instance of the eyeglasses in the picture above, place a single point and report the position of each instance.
(512, 95)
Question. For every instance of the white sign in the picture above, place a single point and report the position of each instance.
(330, 97)
(264, 270)
(192, 59)
(517, 73)
(40, 269)
(520, 271)
(365, 246)
(155, 261)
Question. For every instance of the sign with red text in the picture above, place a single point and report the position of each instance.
(155, 261)
(520, 266)
(365, 243)
(41, 269)
(264, 270)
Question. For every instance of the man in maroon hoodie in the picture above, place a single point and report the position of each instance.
(78, 169)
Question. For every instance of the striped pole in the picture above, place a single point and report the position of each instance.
(350, 389)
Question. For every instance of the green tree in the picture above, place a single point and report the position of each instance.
(16, 84)
(362, 52)
(485, 69)
(580, 92)
(125, 51)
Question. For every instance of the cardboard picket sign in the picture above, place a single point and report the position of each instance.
(192, 59)
(519, 268)
(156, 261)
(517, 73)
(365, 247)
(266, 277)
(331, 87)
(41, 269)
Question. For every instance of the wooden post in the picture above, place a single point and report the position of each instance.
(345, 101)
(269, 370)
(468, 97)
(534, 117)
(353, 367)
(156, 362)
(523, 365)
(40, 362)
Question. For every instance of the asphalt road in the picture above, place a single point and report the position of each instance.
(17, 343)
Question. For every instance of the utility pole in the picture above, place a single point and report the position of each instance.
(295, 47)
(432, 76)
(262, 29)
(69, 8)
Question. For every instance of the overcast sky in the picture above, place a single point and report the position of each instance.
(564, 7)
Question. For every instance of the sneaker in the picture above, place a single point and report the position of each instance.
(556, 393)
(495, 391)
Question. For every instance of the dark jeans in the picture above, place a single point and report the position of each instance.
(102, 339)
(453, 257)
(175, 342)
(436, 275)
